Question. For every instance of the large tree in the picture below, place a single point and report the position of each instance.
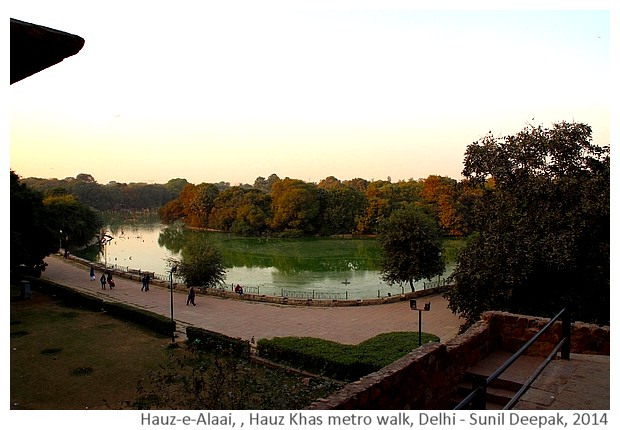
(38, 224)
(75, 222)
(541, 238)
(200, 264)
(295, 207)
(412, 246)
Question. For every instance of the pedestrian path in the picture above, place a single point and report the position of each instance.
(582, 383)
(247, 319)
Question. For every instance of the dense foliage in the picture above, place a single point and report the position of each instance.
(112, 196)
(412, 246)
(41, 225)
(292, 207)
(542, 226)
(274, 206)
(200, 264)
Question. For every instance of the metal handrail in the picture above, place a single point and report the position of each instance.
(477, 398)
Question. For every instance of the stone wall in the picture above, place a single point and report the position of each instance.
(512, 331)
(427, 378)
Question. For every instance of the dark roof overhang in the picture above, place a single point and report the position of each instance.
(35, 48)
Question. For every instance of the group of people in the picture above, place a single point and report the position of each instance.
(146, 280)
(106, 279)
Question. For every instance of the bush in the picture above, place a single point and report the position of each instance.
(206, 340)
(157, 323)
(342, 362)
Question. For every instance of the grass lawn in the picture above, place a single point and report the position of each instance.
(65, 358)
(68, 358)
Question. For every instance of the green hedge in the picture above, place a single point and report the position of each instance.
(338, 361)
(157, 323)
(68, 295)
(211, 341)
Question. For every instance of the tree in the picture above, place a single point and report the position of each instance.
(295, 207)
(200, 264)
(31, 238)
(541, 224)
(75, 222)
(342, 205)
(440, 193)
(412, 246)
(202, 203)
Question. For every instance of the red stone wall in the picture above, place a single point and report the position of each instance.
(513, 331)
(427, 377)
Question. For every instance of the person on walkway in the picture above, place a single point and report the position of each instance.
(143, 283)
(191, 296)
(103, 281)
(147, 281)
(92, 273)
(110, 281)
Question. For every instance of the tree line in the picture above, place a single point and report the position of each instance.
(293, 207)
(274, 206)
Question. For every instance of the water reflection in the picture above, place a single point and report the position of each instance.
(310, 264)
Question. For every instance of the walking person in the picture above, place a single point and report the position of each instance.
(143, 283)
(110, 281)
(103, 281)
(147, 281)
(191, 295)
(92, 273)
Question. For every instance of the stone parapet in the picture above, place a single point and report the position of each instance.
(428, 377)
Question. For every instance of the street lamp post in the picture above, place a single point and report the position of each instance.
(172, 270)
(413, 304)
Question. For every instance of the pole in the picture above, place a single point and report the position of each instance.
(420, 327)
(171, 306)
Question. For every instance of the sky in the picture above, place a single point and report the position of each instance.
(217, 91)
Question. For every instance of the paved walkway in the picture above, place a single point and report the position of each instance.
(246, 319)
(581, 383)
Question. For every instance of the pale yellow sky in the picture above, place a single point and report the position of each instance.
(213, 94)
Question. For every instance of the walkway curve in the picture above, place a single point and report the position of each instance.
(248, 319)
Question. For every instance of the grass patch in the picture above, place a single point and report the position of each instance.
(109, 363)
(342, 362)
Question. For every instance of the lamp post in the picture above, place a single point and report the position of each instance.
(173, 269)
(413, 305)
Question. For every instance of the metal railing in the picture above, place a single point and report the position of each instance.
(315, 295)
(477, 398)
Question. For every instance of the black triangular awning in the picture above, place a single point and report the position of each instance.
(35, 48)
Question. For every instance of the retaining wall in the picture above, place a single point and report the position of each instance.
(427, 378)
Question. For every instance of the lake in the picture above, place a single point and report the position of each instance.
(335, 267)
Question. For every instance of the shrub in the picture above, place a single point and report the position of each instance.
(342, 362)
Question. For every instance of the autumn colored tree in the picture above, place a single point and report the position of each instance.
(295, 207)
(441, 196)
(241, 211)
